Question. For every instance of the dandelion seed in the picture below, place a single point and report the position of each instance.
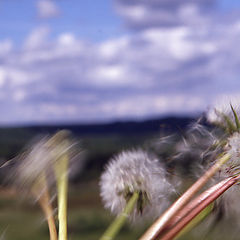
(225, 112)
(134, 185)
(135, 171)
(233, 148)
(197, 150)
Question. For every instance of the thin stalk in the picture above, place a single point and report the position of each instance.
(199, 218)
(119, 221)
(61, 168)
(163, 220)
(179, 226)
(194, 203)
(44, 202)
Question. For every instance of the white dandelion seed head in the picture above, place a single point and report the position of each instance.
(197, 150)
(39, 159)
(62, 143)
(134, 171)
(33, 163)
(222, 108)
(233, 148)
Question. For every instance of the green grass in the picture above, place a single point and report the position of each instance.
(23, 220)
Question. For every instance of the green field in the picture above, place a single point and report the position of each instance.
(22, 219)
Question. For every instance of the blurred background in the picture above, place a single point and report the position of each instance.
(117, 73)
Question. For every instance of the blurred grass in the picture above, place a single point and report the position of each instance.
(21, 219)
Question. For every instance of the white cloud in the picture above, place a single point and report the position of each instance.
(152, 105)
(112, 48)
(19, 95)
(136, 12)
(143, 14)
(108, 76)
(5, 47)
(37, 38)
(153, 71)
(66, 39)
(47, 9)
(2, 76)
(55, 110)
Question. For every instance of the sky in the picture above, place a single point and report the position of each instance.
(71, 61)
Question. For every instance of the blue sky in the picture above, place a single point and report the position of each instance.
(88, 61)
(92, 20)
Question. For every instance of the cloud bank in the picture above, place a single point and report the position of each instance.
(47, 9)
(178, 57)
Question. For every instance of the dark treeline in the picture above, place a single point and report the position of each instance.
(100, 141)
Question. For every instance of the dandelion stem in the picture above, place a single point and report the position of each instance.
(161, 222)
(194, 203)
(61, 168)
(197, 220)
(119, 221)
(175, 230)
(44, 202)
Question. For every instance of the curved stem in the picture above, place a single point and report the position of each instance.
(194, 203)
(119, 221)
(40, 191)
(44, 202)
(161, 222)
(179, 226)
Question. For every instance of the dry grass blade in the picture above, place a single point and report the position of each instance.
(194, 203)
(161, 222)
(202, 204)
(44, 202)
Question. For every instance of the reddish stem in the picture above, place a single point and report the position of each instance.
(185, 220)
(194, 203)
(163, 220)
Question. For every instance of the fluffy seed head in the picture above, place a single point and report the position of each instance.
(222, 109)
(33, 163)
(132, 171)
(233, 148)
(196, 150)
(39, 159)
(198, 140)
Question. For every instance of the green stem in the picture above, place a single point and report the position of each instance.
(62, 186)
(119, 221)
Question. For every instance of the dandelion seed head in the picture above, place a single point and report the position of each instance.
(215, 114)
(233, 148)
(132, 171)
(197, 149)
(35, 166)
(33, 163)
(163, 145)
